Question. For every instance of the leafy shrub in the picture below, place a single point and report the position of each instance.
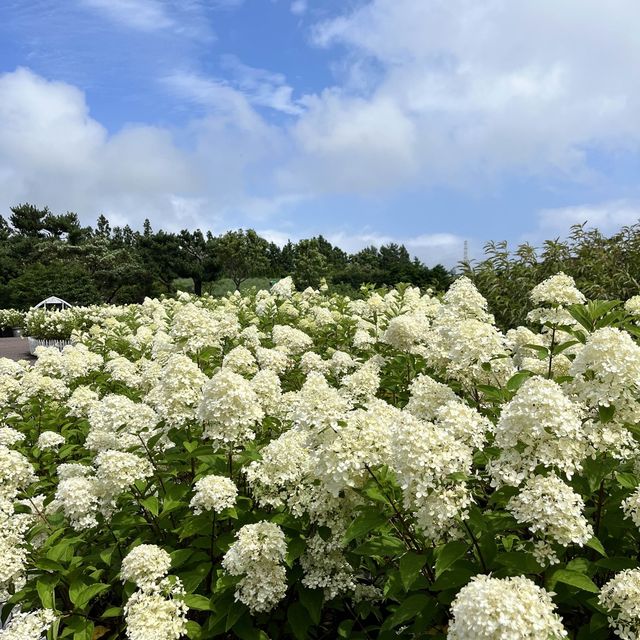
(282, 464)
(11, 318)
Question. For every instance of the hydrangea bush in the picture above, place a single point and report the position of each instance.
(302, 465)
(11, 319)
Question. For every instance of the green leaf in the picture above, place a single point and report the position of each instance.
(180, 556)
(573, 579)
(626, 480)
(106, 555)
(410, 566)
(312, 599)
(81, 628)
(236, 611)
(456, 576)
(542, 352)
(410, 608)
(45, 586)
(295, 549)
(192, 578)
(381, 546)
(516, 380)
(617, 563)
(448, 554)
(559, 348)
(363, 523)
(518, 562)
(299, 620)
(245, 630)
(596, 545)
(82, 598)
(194, 630)
(151, 504)
(198, 602)
(581, 565)
(606, 413)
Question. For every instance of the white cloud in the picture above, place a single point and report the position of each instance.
(352, 145)
(246, 87)
(144, 15)
(53, 152)
(457, 92)
(216, 96)
(277, 237)
(299, 7)
(262, 87)
(608, 217)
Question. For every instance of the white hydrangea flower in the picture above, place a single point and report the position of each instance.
(78, 498)
(28, 625)
(124, 370)
(116, 471)
(291, 339)
(283, 288)
(158, 614)
(496, 609)
(213, 493)
(240, 360)
(10, 436)
(313, 362)
(438, 513)
(551, 508)
(540, 425)
(145, 565)
(342, 458)
(464, 301)
(405, 331)
(117, 422)
(362, 339)
(325, 567)
(469, 351)
(363, 384)
(229, 408)
(50, 440)
(317, 406)
(257, 555)
(607, 373)
(13, 548)
(81, 401)
(16, 472)
(284, 463)
(427, 396)
(176, 394)
(631, 507)
(464, 423)
(268, 388)
(195, 328)
(423, 456)
(34, 385)
(558, 290)
(632, 306)
(273, 359)
(621, 596)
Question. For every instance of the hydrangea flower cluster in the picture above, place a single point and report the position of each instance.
(213, 493)
(515, 608)
(257, 555)
(389, 462)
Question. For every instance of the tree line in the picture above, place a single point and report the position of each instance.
(43, 253)
(604, 267)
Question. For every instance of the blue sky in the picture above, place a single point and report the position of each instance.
(420, 121)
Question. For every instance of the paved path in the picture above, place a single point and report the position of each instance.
(15, 348)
